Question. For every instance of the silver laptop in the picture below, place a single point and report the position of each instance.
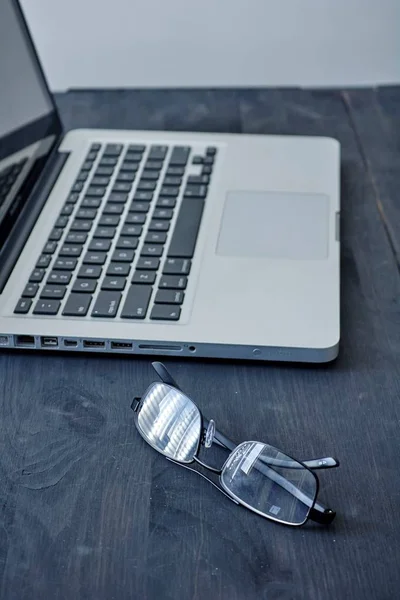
(138, 242)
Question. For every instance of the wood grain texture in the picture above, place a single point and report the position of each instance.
(87, 510)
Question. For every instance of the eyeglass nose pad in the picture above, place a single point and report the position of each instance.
(135, 403)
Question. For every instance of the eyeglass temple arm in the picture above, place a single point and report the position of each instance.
(315, 463)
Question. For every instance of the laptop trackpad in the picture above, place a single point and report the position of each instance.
(275, 225)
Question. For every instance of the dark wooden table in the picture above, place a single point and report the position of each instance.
(88, 511)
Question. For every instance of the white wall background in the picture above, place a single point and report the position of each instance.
(175, 43)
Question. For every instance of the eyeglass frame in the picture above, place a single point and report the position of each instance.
(317, 511)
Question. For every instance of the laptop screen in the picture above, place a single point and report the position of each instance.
(29, 124)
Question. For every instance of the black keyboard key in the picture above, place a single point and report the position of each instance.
(156, 237)
(23, 306)
(84, 286)
(148, 264)
(163, 213)
(172, 181)
(195, 191)
(82, 176)
(126, 177)
(152, 250)
(55, 292)
(100, 181)
(120, 269)
(77, 187)
(146, 186)
(129, 167)
(90, 202)
(77, 305)
(107, 304)
(89, 272)
(86, 213)
(150, 175)
(117, 197)
(137, 302)
(208, 160)
(87, 165)
(139, 207)
(211, 151)
(76, 237)
(113, 209)
(135, 219)
(159, 226)
(131, 230)
(177, 266)
(175, 172)
(95, 258)
(47, 307)
(113, 283)
(173, 282)
(91, 156)
(95, 147)
(67, 210)
(96, 191)
(166, 202)
(135, 157)
(123, 256)
(65, 264)
(79, 225)
(197, 160)
(68, 250)
(37, 276)
(61, 222)
(165, 312)
(59, 277)
(186, 229)
(108, 161)
(104, 171)
(127, 243)
(169, 297)
(109, 220)
(199, 179)
(43, 261)
(121, 186)
(207, 170)
(179, 156)
(30, 290)
(153, 165)
(50, 248)
(105, 233)
(169, 192)
(143, 196)
(72, 198)
(99, 246)
(144, 277)
(113, 150)
(158, 152)
(137, 148)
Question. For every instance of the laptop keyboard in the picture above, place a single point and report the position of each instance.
(8, 177)
(112, 252)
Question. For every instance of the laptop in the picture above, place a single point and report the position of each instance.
(146, 242)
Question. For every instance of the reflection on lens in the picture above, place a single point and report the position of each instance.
(170, 422)
(273, 484)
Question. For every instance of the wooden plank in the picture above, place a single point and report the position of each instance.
(375, 115)
(89, 511)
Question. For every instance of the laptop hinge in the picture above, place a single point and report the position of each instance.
(29, 215)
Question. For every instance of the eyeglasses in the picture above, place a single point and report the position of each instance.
(255, 475)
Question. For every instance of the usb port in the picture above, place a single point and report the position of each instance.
(121, 345)
(25, 341)
(93, 344)
(70, 343)
(49, 342)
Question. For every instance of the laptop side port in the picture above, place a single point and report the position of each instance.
(49, 342)
(24, 341)
(70, 343)
(121, 345)
(93, 344)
